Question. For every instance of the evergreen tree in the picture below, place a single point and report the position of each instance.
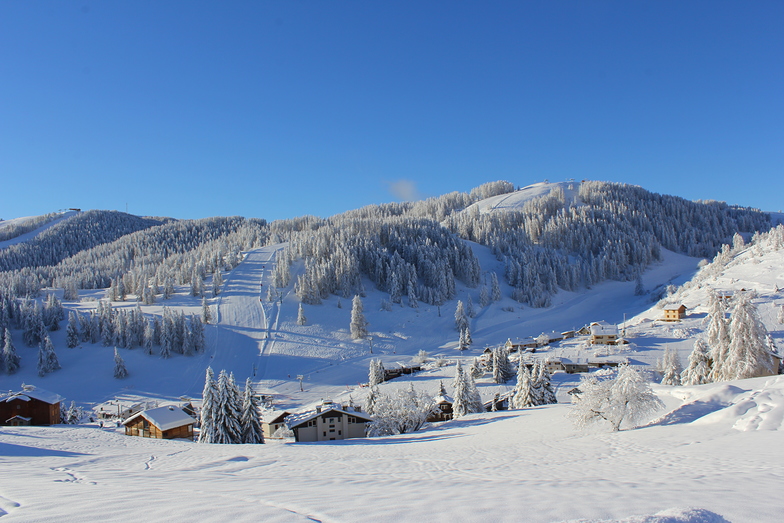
(120, 371)
(47, 359)
(370, 401)
(412, 295)
(358, 322)
(495, 293)
(53, 313)
(301, 319)
(149, 335)
(698, 371)
(228, 410)
(206, 315)
(207, 432)
(72, 331)
(375, 372)
(639, 290)
(470, 311)
(537, 392)
(545, 385)
(251, 418)
(10, 358)
(484, 296)
(217, 282)
(461, 320)
(671, 367)
(718, 337)
(522, 392)
(502, 369)
(748, 355)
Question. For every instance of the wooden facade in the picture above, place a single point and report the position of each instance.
(328, 422)
(31, 406)
(160, 423)
(674, 313)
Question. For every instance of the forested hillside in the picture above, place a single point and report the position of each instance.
(414, 251)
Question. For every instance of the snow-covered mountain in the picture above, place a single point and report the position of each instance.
(530, 464)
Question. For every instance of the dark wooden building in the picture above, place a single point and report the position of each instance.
(162, 423)
(30, 406)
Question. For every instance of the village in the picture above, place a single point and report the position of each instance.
(600, 345)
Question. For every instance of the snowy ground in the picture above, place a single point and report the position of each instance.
(719, 448)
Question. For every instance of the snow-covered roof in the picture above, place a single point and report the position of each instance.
(276, 416)
(296, 420)
(443, 398)
(29, 392)
(165, 418)
(674, 307)
(602, 328)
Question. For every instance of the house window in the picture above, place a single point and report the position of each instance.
(340, 433)
(325, 433)
(332, 430)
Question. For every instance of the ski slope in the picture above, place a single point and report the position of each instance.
(32, 234)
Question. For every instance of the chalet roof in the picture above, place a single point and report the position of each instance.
(165, 418)
(29, 392)
(277, 416)
(443, 398)
(603, 329)
(674, 307)
(296, 420)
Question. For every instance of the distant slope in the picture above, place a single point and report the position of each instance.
(515, 201)
(71, 235)
(19, 230)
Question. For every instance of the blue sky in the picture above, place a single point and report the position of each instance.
(279, 109)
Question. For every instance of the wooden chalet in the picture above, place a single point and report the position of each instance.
(161, 423)
(30, 406)
(674, 312)
(277, 419)
(499, 402)
(519, 345)
(327, 422)
(390, 374)
(443, 411)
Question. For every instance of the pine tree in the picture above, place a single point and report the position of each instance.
(375, 372)
(217, 282)
(748, 355)
(718, 337)
(301, 319)
(546, 385)
(502, 369)
(671, 367)
(462, 343)
(72, 331)
(358, 322)
(370, 401)
(496, 289)
(228, 410)
(47, 359)
(698, 371)
(522, 392)
(120, 371)
(461, 320)
(470, 311)
(251, 418)
(639, 290)
(10, 358)
(206, 315)
(466, 398)
(207, 432)
(149, 335)
(412, 295)
(484, 296)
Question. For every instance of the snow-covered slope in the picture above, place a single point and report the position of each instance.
(517, 199)
(529, 465)
(32, 234)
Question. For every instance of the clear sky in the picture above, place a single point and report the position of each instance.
(278, 109)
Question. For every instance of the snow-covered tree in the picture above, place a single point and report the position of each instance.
(358, 322)
(542, 340)
(10, 357)
(404, 411)
(502, 368)
(484, 296)
(370, 400)
(544, 385)
(523, 396)
(206, 314)
(72, 331)
(748, 355)
(718, 337)
(461, 319)
(466, 397)
(698, 370)
(251, 417)
(208, 406)
(671, 368)
(495, 293)
(627, 399)
(476, 369)
(375, 372)
(301, 319)
(227, 411)
(639, 289)
(120, 371)
(217, 282)
(47, 359)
